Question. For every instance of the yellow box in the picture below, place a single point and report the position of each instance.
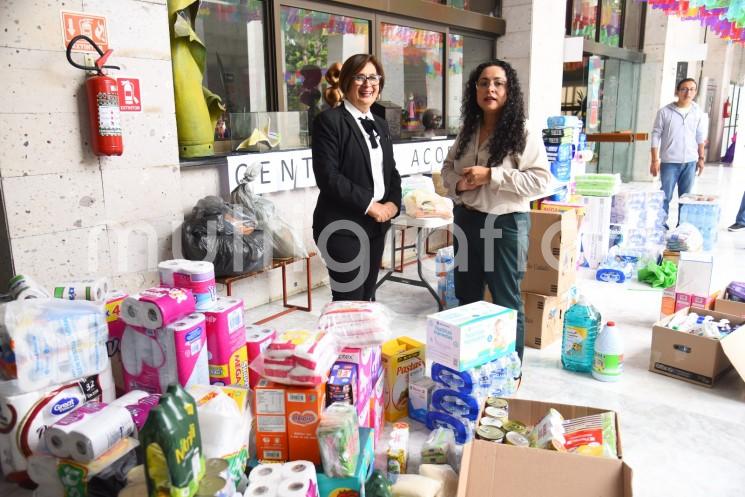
(403, 357)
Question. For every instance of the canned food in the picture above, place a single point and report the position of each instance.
(496, 412)
(517, 426)
(213, 486)
(217, 467)
(487, 421)
(498, 403)
(516, 439)
(490, 433)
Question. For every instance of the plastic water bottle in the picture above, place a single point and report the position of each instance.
(581, 324)
(608, 364)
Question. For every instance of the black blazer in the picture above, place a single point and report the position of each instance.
(341, 164)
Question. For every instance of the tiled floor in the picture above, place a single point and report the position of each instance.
(680, 439)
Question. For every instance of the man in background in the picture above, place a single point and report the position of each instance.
(678, 139)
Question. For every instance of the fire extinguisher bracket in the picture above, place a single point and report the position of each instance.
(103, 101)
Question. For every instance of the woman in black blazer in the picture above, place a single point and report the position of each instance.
(360, 189)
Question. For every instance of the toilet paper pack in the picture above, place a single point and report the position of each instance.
(226, 343)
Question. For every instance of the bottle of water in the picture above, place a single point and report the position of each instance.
(608, 364)
(581, 324)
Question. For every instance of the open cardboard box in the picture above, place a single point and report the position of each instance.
(729, 306)
(696, 359)
(490, 469)
(552, 253)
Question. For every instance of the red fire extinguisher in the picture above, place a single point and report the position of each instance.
(103, 102)
(725, 109)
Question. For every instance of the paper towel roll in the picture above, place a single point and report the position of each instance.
(130, 398)
(266, 473)
(130, 311)
(101, 432)
(57, 436)
(94, 289)
(294, 470)
(166, 269)
(185, 343)
(24, 287)
(297, 487)
(162, 306)
(261, 489)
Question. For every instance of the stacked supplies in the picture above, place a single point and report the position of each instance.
(352, 380)
(45, 342)
(355, 324)
(445, 271)
(703, 212)
(637, 225)
(298, 357)
(685, 238)
(164, 341)
(598, 185)
(562, 139)
(292, 479)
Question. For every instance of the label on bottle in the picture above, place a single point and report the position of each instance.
(608, 364)
(574, 341)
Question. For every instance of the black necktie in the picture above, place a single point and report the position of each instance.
(369, 126)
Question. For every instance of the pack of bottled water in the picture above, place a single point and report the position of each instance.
(445, 271)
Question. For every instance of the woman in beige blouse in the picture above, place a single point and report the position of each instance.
(494, 166)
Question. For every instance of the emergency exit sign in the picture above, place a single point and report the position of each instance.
(129, 94)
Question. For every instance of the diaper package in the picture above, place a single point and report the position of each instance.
(298, 357)
(356, 324)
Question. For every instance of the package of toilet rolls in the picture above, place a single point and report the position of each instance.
(94, 289)
(50, 341)
(292, 479)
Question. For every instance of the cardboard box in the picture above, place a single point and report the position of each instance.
(730, 307)
(552, 253)
(353, 485)
(696, 359)
(544, 319)
(368, 362)
(271, 422)
(342, 384)
(667, 307)
(471, 335)
(489, 469)
(286, 421)
(304, 407)
(402, 357)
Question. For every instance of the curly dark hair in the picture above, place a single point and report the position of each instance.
(508, 136)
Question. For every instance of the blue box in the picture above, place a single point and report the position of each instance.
(561, 153)
(562, 170)
(352, 486)
(342, 384)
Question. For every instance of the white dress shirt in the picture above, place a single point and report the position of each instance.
(376, 154)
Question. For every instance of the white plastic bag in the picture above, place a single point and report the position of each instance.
(424, 204)
(356, 323)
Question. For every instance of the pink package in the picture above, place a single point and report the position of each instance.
(364, 412)
(161, 306)
(368, 361)
(321, 347)
(288, 342)
(377, 406)
(143, 361)
(188, 337)
(140, 410)
(116, 330)
(257, 341)
(226, 343)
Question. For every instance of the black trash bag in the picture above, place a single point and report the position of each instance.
(225, 235)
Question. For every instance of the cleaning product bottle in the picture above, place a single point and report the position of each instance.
(581, 323)
(608, 364)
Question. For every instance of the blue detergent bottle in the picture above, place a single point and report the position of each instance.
(581, 326)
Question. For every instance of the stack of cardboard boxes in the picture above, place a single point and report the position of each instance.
(550, 274)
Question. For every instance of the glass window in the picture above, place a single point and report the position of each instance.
(233, 33)
(584, 18)
(610, 22)
(311, 42)
(413, 62)
(465, 53)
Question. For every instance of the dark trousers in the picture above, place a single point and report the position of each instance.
(362, 259)
(502, 272)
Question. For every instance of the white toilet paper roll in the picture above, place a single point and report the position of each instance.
(266, 473)
(32, 293)
(166, 269)
(296, 487)
(94, 289)
(131, 311)
(42, 469)
(261, 489)
(130, 398)
(57, 437)
(295, 470)
(24, 287)
(101, 432)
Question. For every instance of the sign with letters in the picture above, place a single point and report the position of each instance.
(282, 171)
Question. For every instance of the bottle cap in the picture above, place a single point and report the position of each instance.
(611, 323)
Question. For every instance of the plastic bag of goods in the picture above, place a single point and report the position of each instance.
(338, 438)
(592, 435)
(45, 342)
(422, 204)
(226, 235)
(356, 324)
(298, 357)
(285, 241)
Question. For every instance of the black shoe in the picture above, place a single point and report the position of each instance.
(737, 227)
